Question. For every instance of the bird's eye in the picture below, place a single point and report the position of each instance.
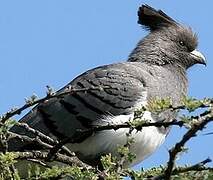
(181, 43)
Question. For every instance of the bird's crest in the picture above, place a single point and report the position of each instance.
(154, 19)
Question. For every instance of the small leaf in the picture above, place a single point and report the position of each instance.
(191, 104)
(159, 105)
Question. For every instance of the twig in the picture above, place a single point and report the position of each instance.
(69, 90)
(56, 148)
(44, 137)
(197, 167)
(42, 155)
(124, 157)
(28, 139)
(39, 162)
(178, 170)
(202, 120)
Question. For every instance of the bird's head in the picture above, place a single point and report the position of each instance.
(168, 41)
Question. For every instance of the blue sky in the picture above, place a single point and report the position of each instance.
(50, 42)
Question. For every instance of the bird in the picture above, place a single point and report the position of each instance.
(156, 68)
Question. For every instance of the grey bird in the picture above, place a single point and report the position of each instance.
(156, 68)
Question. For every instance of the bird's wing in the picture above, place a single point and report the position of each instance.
(122, 89)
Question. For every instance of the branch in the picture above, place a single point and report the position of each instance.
(201, 121)
(179, 170)
(28, 139)
(197, 167)
(42, 155)
(138, 126)
(85, 132)
(43, 137)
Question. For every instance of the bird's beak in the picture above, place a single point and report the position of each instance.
(199, 57)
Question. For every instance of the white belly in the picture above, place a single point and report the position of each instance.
(146, 141)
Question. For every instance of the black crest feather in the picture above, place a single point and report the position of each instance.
(154, 19)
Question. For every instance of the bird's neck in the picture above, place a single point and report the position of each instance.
(153, 57)
(176, 69)
(180, 73)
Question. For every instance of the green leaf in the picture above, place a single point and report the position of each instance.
(191, 104)
(159, 105)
